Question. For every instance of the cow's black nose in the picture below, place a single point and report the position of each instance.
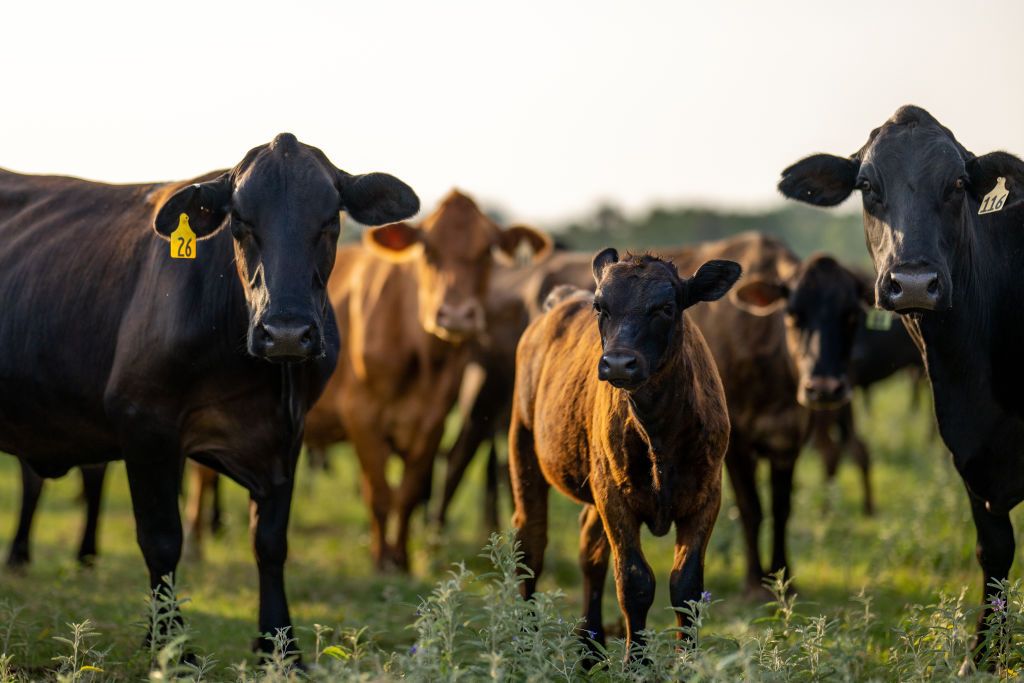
(912, 289)
(621, 369)
(286, 341)
(826, 392)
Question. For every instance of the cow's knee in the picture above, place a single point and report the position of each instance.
(638, 586)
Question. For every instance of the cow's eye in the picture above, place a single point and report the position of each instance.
(668, 310)
(598, 309)
(864, 185)
(959, 183)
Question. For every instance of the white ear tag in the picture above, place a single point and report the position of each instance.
(996, 199)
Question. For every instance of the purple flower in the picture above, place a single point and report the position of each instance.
(705, 597)
(998, 604)
(590, 634)
(413, 650)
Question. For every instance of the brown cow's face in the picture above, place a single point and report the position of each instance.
(282, 204)
(453, 253)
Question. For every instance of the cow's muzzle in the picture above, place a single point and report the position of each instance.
(286, 340)
(622, 369)
(824, 393)
(913, 289)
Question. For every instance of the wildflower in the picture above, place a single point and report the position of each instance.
(590, 634)
(413, 650)
(998, 604)
(705, 597)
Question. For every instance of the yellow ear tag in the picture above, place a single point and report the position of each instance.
(183, 240)
(877, 320)
(996, 199)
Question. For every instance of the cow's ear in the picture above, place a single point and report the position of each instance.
(821, 179)
(760, 297)
(518, 243)
(395, 242)
(206, 205)
(985, 171)
(376, 198)
(602, 260)
(711, 281)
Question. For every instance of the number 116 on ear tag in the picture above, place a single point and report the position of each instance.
(183, 240)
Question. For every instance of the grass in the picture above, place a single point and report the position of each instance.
(918, 548)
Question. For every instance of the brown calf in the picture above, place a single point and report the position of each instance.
(407, 304)
(626, 415)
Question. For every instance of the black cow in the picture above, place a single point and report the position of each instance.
(111, 349)
(834, 349)
(946, 232)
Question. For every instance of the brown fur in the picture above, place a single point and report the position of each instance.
(400, 368)
(656, 465)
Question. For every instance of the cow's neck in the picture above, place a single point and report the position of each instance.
(973, 356)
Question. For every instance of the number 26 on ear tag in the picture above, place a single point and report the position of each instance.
(996, 199)
(183, 240)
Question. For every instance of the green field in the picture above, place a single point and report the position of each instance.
(919, 545)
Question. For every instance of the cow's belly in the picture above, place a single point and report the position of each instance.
(45, 424)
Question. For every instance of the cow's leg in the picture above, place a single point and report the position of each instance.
(414, 490)
(742, 466)
(686, 582)
(782, 496)
(594, 551)
(92, 491)
(491, 498)
(823, 442)
(153, 481)
(994, 550)
(216, 504)
(472, 434)
(31, 489)
(194, 505)
(373, 453)
(530, 494)
(634, 579)
(268, 525)
(860, 454)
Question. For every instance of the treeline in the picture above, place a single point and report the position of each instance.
(805, 229)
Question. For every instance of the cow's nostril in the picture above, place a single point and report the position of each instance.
(895, 287)
(306, 337)
(933, 287)
(265, 336)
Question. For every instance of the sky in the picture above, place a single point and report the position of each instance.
(542, 109)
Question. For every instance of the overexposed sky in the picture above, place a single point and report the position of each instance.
(543, 108)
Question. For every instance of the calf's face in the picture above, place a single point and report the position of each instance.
(824, 307)
(453, 251)
(920, 191)
(282, 205)
(639, 304)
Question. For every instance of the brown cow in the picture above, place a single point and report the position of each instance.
(757, 373)
(626, 415)
(407, 303)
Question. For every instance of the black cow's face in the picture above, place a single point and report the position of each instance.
(920, 189)
(824, 307)
(282, 205)
(639, 304)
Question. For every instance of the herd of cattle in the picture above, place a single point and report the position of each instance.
(622, 381)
